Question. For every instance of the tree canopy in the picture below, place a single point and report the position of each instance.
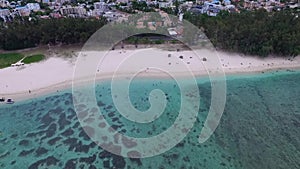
(22, 33)
(253, 32)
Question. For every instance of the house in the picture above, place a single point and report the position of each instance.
(227, 2)
(112, 16)
(61, 1)
(196, 10)
(172, 32)
(213, 11)
(33, 6)
(165, 4)
(22, 11)
(101, 6)
(4, 3)
(122, 1)
(73, 11)
(4, 13)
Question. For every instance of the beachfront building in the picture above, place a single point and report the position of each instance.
(112, 16)
(122, 1)
(33, 6)
(73, 11)
(165, 4)
(22, 11)
(4, 14)
(101, 7)
(4, 3)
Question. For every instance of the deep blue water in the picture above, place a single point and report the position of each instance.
(260, 127)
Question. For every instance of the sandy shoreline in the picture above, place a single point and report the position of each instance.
(55, 74)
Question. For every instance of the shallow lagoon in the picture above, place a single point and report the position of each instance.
(260, 128)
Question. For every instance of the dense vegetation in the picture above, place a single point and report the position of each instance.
(9, 58)
(253, 32)
(250, 32)
(33, 58)
(22, 33)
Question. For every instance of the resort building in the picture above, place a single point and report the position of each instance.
(33, 6)
(165, 4)
(4, 13)
(73, 11)
(22, 11)
(101, 7)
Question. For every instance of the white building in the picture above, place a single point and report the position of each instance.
(101, 6)
(165, 4)
(4, 12)
(22, 10)
(33, 6)
(4, 3)
(74, 11)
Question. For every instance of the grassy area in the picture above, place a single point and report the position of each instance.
(33, 58)
(7, 59)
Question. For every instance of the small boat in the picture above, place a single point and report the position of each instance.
(2, 99)
(10, 101)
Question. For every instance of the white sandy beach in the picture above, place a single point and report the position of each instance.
(55, 73)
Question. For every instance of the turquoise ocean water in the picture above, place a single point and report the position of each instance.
(260, 128)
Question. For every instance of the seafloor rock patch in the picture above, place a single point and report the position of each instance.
(88, 160)
(26, 152)
(24, 143)
(67, 132)
(54, 140)
(63, 122)
(70, 164)
(40, 151)
(48, 161)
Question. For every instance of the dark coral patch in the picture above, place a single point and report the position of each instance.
(54, 140)
(128, 143)
(51, 130)
(82, 148)
(72, 142)
(14, 135)
(134, 154)
(24, 143)
(94, 110)
(82, 114)
(111, 114)
(47, 119)
(76, 125)
(102, 124)
(112, 148)
(40, 151)
(109, 107)
(106, 164)
(88, 160)
(89, 130)
(115, 119)
(136, 160)
(92, 167)
(62, 122)
(67, 132)
(80, 107)
(25, 152)
(89, 120)
(48, 161)
(84, 135)
(71, 113)
(118, 162)
(105, 154)
(70, 164)
(56, 111)
(40, 133)
(100, 104)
